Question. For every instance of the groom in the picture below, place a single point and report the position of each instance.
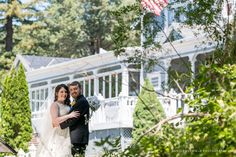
(79, 132)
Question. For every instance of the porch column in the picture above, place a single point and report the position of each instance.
(166, 20)
(125, 82)
(96, 83)
(192, 59)
(167, 64)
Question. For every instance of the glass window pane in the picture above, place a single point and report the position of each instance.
(107, 87)
(179, 70)
(82, 86)
(87, 88)
(101, 85)
(37, 95)
(109, 69)
(41, 106)
(37, 106)
(39, 84)
(134, 83)
(113, 85)
(53, 88)
(119, 83)
(42, 94)
(33, 94)
(60, 80)
(46, 93)
(33, 106)
(92, 87)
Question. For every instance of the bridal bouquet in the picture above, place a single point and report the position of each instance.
(94, 103)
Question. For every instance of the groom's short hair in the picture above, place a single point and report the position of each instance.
(75, 83)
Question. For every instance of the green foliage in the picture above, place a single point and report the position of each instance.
(58, 32)
(15, 111)
(98, 24)
(6, 61)
(148, 110)
(111, 147)
(209, 136)
(180, 73)
(124, 34)
(216, 26)
(213, 92)
(127, 31)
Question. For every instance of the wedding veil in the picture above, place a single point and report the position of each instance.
(45, 130)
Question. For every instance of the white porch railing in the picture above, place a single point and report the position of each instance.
(172, 102)
(118, 112)
(114, 113)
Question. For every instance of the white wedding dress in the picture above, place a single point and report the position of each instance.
(55, 142)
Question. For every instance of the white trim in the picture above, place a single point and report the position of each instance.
(24, 62)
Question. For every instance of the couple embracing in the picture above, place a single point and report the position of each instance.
(69, 133)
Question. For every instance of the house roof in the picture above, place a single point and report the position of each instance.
(37, 62)
(32, 62)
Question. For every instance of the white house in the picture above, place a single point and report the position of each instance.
(109, 76)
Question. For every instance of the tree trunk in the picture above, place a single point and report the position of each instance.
(9, 35)
(98, 45)
(92, 46)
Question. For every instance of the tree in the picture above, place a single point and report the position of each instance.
(75, 28)
(126, 32)
(6, 61)
(58, 32)
(148, 110)
(16, 18)
(99, 22)
(15, 111)
(13, 15)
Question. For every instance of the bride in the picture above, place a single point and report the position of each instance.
(55, 142)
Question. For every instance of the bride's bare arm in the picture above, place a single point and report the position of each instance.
(56, 120)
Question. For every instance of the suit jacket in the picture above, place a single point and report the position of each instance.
(79, 132)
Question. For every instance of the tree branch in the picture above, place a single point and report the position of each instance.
(159, 125)
(177, 83)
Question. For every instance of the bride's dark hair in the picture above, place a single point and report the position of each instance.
(67, 101)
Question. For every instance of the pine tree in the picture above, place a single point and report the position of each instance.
(148, 110)
(98, 23)
(14, 15)
(75, 28)
(15, 111)
(7, 125)
(59, 31)
(16, 18)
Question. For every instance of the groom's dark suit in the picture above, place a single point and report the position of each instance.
(79, 132)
